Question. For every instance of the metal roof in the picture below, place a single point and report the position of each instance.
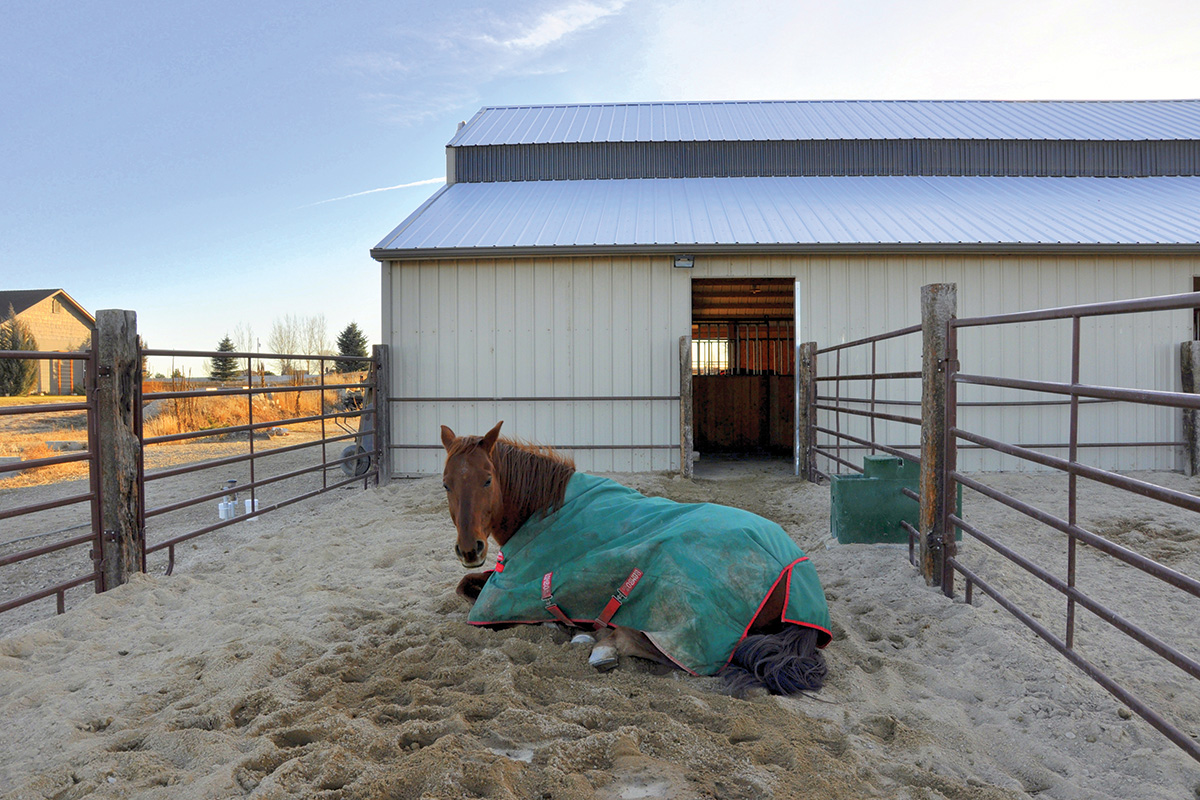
(20, 300)
(788, 120)
(798, 213)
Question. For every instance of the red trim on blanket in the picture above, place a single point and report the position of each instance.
(668, 655)
(783, 614)
(787, 598)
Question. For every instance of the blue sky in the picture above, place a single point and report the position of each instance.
(214, 165)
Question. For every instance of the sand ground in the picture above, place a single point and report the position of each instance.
(321, 652)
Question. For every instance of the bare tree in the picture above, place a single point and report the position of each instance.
(316, 341)
(286, 338)
(243, 338)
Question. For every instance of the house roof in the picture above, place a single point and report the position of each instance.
(799, 213)
(23, 299)
(791, 120)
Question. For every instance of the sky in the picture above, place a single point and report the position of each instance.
(216, 166)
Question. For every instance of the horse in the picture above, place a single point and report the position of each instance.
(504, 491)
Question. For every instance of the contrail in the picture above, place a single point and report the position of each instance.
(425, 182)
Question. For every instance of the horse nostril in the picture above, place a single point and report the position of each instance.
(479, 545)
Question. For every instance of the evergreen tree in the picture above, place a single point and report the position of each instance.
(145, 359)
(351, 342)
(17, 376)
(224, 368)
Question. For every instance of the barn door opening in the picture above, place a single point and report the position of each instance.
(743, 365)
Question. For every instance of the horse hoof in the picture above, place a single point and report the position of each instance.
(603, 657)
(583, 638)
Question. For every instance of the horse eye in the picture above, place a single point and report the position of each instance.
(487, 483)
(444, 486)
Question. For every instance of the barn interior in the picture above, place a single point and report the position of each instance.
(743, 365)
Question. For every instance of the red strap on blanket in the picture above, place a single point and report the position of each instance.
(548, 600)
(617, 599)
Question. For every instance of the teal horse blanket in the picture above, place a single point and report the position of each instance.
(690, 576)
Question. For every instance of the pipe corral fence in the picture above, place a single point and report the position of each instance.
(846, 389)
(942, 376)
(141, 476)
(68, 541)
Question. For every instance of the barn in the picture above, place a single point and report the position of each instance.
(550, 281)
(57, 323)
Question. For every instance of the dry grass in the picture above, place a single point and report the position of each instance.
(32, 448)
(188, 414)
(26, 435)
(39, 399)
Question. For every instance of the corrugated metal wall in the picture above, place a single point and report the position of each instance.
(932, 157)
(609, 326)
(844, 298)
(546, 328)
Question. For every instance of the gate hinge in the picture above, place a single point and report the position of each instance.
(949, 365)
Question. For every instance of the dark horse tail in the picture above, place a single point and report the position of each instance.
(787, 662)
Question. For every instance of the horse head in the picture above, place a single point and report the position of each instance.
(474, 496)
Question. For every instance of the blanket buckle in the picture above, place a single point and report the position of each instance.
(548, 601)
(618, 598)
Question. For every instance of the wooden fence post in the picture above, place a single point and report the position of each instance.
(806, 415)
(939, 304)
(383, 416)
(118, 393)
(1189, 369)
(686, 434)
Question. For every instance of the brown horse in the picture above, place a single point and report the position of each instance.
(493, 486)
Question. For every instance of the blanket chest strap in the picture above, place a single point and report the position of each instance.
(621, 595)
(548, 600)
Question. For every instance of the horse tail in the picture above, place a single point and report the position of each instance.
(787, 662)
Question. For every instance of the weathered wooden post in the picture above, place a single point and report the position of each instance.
(939, 305)
(118, 393)
(1189, 369)
(686, 437)
(383, 416)
(806, 415)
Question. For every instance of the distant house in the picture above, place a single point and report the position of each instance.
(58, 323)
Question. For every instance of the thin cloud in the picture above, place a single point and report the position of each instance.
(445, 65)
(426, 182)
(556, 25)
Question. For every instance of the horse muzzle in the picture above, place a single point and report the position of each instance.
(474, 557)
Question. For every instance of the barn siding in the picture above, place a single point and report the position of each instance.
(607, 326)
(850, 297)
(549, 327)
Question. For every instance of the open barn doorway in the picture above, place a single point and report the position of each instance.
(743, 365)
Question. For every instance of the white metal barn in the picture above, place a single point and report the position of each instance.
(549, 282)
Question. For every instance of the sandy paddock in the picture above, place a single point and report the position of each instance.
(327, 656)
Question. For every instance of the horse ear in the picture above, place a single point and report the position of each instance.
(448, 437)
(488, 442)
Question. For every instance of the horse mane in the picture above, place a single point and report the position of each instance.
(533, 478)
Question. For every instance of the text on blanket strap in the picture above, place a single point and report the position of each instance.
(548, 600)
(621, 595)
